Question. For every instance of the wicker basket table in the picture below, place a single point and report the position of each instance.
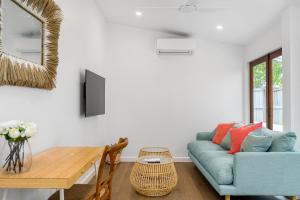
(154, 180)
(157, 151)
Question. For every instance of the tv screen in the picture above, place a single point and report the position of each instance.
(94, 94)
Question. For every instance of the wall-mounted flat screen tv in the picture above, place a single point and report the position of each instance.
(94, 94)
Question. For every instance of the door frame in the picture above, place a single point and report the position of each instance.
(269, 89)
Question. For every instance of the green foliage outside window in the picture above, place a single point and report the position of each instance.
(277, 73)
(259, 74)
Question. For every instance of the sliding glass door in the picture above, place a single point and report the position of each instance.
(259, 92)
(277, 75)
(266, 90)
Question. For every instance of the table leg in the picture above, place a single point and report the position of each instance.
(4, 195)
(61, 194)
(96, 170)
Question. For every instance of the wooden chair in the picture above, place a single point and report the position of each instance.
(103, 189)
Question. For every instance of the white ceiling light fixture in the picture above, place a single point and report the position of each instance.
(189, 6)
(219, 27)
(138, 13)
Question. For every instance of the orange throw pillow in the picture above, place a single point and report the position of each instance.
(239, 134)
(221, 132)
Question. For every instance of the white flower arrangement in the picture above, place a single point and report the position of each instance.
(17, 134)
(17, 131)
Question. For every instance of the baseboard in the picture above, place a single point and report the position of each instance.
(128, 159)
(176, 159)
(182, 159)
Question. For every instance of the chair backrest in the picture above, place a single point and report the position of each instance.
(106, 182)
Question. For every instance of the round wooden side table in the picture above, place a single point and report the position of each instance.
(155, 151)
(154, 179)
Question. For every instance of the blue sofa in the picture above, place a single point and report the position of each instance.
(246, 173)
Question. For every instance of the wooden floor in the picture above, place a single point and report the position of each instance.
(191, 186)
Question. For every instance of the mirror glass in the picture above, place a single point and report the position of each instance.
(21, 33)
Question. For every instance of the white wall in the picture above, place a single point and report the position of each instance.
(57, 112)
(291, 52)
(165, 100)
(262, 45)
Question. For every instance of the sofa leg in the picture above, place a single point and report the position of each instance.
(293, 198)
(227, 197)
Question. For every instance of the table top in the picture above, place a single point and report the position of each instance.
(163, 160)
(155, 149)
(58, 167)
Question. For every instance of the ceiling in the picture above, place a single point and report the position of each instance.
(243, 20)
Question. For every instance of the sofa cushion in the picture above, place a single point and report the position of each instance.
(239, 134)
(226, 143)
(213, 133)
(258, 141)
(221, 132)
(283, 142)
(203, 145)
(219, 164)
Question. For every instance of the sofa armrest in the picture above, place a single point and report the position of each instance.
(203, 136)
(267, 173)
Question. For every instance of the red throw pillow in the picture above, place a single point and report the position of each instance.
(221, 132)
(239, 134)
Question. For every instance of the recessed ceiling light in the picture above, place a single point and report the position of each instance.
(219, 27)
(138, 13)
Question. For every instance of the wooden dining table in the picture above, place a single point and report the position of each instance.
(55, 168)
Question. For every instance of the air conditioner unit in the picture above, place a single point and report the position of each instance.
(175, 46)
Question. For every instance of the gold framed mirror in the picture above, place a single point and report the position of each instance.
(29, 32)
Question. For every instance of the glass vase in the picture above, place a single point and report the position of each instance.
(16, 157)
